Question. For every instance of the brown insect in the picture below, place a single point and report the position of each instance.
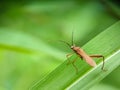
(81, 53)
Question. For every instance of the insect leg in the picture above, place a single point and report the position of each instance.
(99, 56)
(81, 57)
(73, 63)
(68, 55)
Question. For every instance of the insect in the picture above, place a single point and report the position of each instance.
(82, 54)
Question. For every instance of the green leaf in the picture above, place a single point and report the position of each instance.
(65, 77)
(23, 42)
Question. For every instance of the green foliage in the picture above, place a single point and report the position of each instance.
(29, 47)
(64, 77)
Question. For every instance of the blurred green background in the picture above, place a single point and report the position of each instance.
(30, 32)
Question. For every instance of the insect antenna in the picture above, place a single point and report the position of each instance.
(72, 38)
(65, 43)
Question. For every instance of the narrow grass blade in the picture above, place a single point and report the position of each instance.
(25, 43)
(65, 77)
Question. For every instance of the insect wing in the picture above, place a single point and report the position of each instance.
(89, 60)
